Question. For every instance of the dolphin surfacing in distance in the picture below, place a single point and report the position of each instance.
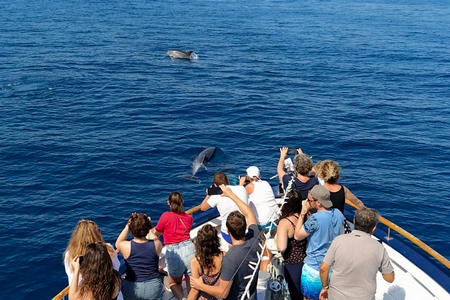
(202, 158)
(180, 54)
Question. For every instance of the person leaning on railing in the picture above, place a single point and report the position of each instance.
(175, 226)
(328, 173)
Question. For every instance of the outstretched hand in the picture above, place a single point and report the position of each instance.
(283, 151)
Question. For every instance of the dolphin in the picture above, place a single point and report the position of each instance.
(202, 158)
(174, 54)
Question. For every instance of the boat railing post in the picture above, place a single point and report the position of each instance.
(388, 237)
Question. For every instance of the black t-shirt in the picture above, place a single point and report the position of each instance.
(302, 188)
(236, 261)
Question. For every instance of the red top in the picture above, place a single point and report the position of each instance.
(174, 227)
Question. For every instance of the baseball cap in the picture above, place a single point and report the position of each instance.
(322, 194)
(253, 171)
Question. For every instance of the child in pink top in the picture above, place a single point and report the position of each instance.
(175, 227)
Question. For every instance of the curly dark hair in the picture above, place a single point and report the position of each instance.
(207, 245)
(139, 225)
(292, 205)
(99, 277)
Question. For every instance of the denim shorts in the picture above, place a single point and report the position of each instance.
(178, 258)
(146, 290)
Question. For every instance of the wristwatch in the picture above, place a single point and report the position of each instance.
(325, 287)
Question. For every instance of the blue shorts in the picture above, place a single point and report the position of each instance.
(310, 282)
(149, 290)
(178, 258)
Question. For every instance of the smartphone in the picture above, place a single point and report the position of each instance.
(292, 151)
(80, 259)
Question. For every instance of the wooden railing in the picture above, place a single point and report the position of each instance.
(410, 237)
(382, 220)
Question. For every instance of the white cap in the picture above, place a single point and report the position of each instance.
(253, 171)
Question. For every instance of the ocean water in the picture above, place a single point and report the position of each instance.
(95, 121)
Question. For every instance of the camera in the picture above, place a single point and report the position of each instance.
(214, 190)
(247, 181)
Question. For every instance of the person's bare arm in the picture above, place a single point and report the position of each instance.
(352, 198)
(300, 233)
(324, 271)
(243, 207)
(280, 166)
(281, 237)
(73, 289)
(205, 206)
(122, 237)
(219, 291)
(195, 269)
(389, 277)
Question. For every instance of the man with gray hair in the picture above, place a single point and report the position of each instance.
(356, 258)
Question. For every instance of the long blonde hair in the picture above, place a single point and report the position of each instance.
(85, 233)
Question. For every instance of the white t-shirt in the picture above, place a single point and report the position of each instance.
(262, 202)
(225, 205)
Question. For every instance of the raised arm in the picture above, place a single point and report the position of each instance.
(280, 166)
(243, 207)
(350, 196)
(122, 237)
(300, 233)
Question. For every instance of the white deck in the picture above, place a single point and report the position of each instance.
(411, 283)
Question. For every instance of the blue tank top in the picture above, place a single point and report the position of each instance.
(142, 264)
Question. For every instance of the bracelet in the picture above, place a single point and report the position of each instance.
(325, 287)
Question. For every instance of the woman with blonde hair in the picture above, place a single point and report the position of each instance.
(100, 280)
(207, 262)
(175, 226)
(85, 233)
(328, 173)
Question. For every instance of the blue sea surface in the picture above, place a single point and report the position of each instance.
(96, 123)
